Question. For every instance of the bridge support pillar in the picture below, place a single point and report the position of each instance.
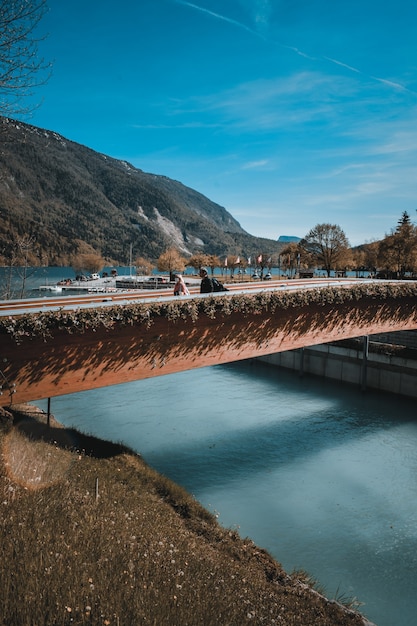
(301, 369)
(365, 353)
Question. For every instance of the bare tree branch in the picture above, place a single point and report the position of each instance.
(21, 68)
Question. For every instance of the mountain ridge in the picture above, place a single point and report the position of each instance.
(70, 199)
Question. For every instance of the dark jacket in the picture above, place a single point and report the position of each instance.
(206, 285)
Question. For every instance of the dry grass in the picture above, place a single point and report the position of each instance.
(33, 464)
(92, 535)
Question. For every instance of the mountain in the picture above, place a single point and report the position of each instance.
(65, 199)
(288, 239)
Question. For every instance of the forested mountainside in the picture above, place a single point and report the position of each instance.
(67, 199)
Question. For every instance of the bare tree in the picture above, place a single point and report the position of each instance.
(212, 262)
(328, 245)
(143, 266)
(91, 262)
(22, 252)
(171, 260)
(290, 258)
(365, 258)
(21, 67)
(199, 260)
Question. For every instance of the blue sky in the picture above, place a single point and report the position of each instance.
(288, 113)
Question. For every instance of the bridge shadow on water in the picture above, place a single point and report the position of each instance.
(290, 439)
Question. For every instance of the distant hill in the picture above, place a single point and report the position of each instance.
(70, 199)
(288, 239)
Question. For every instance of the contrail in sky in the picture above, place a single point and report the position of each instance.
(218, 16)
(293, 48)
(384, 81)
(348, 67)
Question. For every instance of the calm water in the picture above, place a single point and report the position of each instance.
(32, 278)
(322, 476)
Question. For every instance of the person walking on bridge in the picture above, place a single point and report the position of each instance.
(180, 288)
(206, 282)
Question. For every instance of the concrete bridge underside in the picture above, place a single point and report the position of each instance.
(68, 363)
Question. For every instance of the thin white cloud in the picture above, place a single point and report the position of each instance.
(397, 143)
(261, 105)
(373, 187)
(251, 165)
(262, 15)
(261, 11)
(179, 125)
(272, 104)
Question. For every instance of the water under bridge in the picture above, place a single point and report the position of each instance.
(55, 346)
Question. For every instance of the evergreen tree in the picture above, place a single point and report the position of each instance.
(398, 251)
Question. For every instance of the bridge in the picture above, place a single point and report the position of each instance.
(55, 346)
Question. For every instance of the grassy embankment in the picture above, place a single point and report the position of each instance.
(92, 535)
